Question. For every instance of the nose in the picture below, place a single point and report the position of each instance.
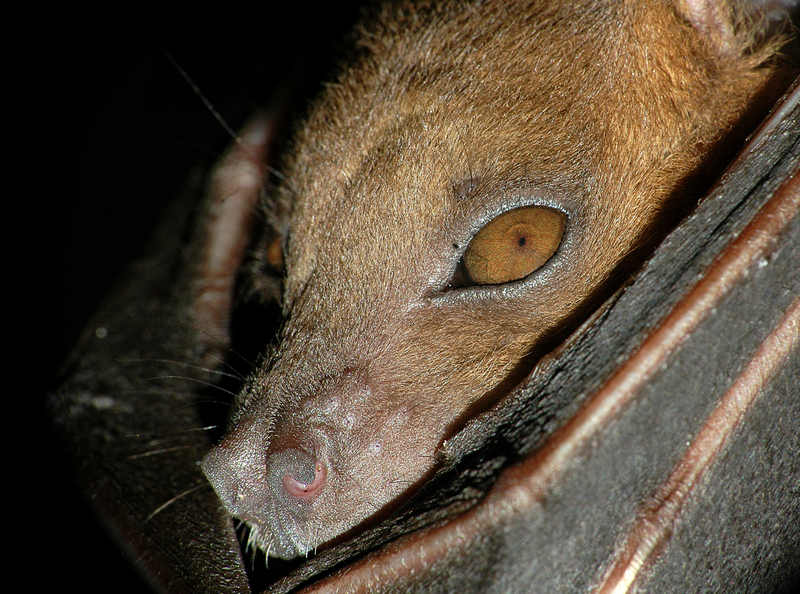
(273, 483)
(291, 475)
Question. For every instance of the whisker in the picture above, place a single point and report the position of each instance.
(156, 452)
(398, 481)
(171, 435)
(266, 557)
(161, 508)
(316, 539)
(234, 375)
(197, 381)
(216, 340)
(252, 556)
(209, 105)
(434, 456)
(191, 397)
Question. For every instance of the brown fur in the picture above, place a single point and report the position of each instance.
(450, 114)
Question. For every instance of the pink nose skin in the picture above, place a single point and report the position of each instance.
(306, 490)
(301, 475)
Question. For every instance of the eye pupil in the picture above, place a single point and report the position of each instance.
(514, 244)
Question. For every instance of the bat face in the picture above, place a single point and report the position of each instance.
(455, 200)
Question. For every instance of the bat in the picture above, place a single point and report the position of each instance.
(171, 329)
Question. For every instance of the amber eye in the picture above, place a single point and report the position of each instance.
(514, 244)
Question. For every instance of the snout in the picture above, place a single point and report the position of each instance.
(271, 486)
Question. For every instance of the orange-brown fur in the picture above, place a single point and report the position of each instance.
(449, 115)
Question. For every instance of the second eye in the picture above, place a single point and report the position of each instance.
(514, 244)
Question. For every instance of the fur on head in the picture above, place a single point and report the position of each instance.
(449, 116)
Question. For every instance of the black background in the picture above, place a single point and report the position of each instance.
(116, 128)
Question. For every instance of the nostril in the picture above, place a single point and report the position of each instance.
(300, 474)
(299, 489)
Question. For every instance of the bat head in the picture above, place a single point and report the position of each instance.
(456, 200)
